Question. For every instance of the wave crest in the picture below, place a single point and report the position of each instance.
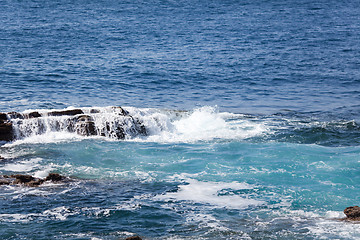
(132, 124)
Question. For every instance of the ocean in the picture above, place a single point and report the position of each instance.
(206, 119)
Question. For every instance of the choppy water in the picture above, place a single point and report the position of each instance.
(251, 110)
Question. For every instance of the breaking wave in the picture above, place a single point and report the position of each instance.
(131, 124)
(171, 126)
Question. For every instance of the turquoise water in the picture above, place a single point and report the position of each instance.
(251, 111)
(182, 183)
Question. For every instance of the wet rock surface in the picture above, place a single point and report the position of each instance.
(30, 181)
(352, 213)
(55, 177)
(133, 238)
(33, 115)
(120, 126)
(72, 112)
(6, 129)
(120, 111)
(3, 117)
(85, 125)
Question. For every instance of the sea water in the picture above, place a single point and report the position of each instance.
(251, 110)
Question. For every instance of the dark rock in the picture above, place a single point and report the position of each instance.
(133, 238)
(352, 213)
(33, 115)
(120, 133)
(113, 130)
(15, 115)
(121, 111)
(3, 117)
(94, 111)
(140, 128)
(72, 112)
(4, 182)
(22, 179)
(6, 131)
(85, 126)
(28, 180)
(54, 177)
(34, 183)
(2, 158)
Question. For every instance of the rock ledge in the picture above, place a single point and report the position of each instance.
(352, 213)
(28, 180)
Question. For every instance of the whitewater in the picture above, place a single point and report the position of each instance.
(194, 172)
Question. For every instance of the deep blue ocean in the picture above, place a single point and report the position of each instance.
(252, 113)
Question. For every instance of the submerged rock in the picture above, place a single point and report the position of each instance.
(4, 180)
(20, 178)
(94, 111)
(28, 180)
(133, 238)
(54, 177)
(352, 213)
(34, 183)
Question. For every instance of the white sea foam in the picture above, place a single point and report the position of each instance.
(49, 137)
(334, 229)
(205, 221)
(18, 192)
(211, 193)
(201, 124)
(326, 225)
(23, 166)
(33, 166)
(16, 217)
(101, 212)
(59, 213)
(44, 170)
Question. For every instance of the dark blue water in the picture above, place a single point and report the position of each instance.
(252, 110)
(244, 56)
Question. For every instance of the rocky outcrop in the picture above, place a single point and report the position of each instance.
(14, 115)
(352, 213)
(33, 115)
(28, 180)
(85, 126)
(6, 129)
(3, 117)
(54, 177)
(72, 112)
(116, 124)
(120, 111)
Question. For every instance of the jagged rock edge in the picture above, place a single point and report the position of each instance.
(83, 124)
